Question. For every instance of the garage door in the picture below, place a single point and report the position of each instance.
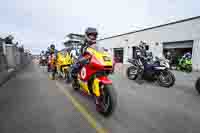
(180, 44)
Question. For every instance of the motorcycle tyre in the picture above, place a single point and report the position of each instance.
(109, 91)
(75, 85)
(173, 79)
(197, 85)
(188, 68)
(128, 73)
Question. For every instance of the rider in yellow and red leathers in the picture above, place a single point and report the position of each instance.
(53, 55)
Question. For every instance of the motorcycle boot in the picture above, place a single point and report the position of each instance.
(139, 78)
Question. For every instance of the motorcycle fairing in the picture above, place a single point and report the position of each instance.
(84, 86)
(100, 61)
(100, 57)
(96, 84)
(160, 68)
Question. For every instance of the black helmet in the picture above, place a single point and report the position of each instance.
(91, 35)
(42, 51)
(52, 46)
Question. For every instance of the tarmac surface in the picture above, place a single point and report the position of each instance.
(31, 103)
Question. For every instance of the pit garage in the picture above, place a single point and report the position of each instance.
(177, 49)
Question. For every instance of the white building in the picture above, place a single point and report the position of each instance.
(182, 36)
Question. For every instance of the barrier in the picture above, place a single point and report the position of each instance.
(12, 59)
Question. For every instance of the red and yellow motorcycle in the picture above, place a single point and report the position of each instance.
(93, 80)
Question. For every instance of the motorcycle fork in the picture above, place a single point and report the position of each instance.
(96, 87)
(93, 86)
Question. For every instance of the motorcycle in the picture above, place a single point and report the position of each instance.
(49, 64)
(64, 61)
(157, 70)
(43, 60)
(93, 81)
(185, 64)
(197, 85)
(52, 65)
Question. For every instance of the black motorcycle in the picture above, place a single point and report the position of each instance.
(157, 70)
(197, 85)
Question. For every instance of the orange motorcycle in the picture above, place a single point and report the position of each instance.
(52, 65)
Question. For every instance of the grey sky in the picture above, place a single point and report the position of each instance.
(37, 23)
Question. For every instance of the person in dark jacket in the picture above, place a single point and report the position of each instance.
(143, 57)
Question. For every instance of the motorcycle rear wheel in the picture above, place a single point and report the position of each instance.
(108, 101)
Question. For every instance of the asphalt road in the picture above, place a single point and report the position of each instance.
(30, 103)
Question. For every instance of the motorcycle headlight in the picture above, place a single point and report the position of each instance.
(106, 58)
(165, 63)
(43, 57)
(138, 53)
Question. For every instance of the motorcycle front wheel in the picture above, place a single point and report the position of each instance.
(68, 77)
(108, 100)
(48, 69)
(131, 72)
(166, 79)
(75, 85)
(197, 85)
(188, 68)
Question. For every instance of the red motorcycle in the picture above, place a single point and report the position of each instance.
(93, 80)
(49, 63)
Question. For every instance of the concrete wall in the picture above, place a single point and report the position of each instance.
(188, 30)
(11, 60)
(11, 56)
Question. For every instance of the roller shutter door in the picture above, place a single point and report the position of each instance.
(181, 44)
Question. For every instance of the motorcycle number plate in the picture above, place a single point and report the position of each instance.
(83, 73)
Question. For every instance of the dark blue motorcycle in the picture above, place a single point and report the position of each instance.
(157, 70)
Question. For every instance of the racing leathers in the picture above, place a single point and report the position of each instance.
(53, 55)
(81, 61)
(141, 60)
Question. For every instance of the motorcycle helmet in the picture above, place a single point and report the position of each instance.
(142, 45)
(168, 53)
(188, 55)
(42, 51)
(91, 35)
(52, 47)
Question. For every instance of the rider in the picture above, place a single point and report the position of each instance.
(54, 52)
(187, 55)
(41, 55)
(142, 49)
(90, 39)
